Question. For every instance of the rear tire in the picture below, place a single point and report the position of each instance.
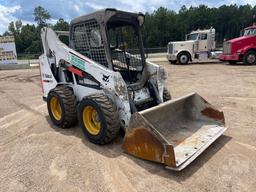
(183, 58)
(250, 58)
(166, 95)
(61, 106)
(99, 119)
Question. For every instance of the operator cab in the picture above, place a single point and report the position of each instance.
(125, 48)
(112, 38)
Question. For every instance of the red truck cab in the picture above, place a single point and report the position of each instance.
(241, 49)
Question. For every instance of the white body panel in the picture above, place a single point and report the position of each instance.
(48, 81)
(202, 45)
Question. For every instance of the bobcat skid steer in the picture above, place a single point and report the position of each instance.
(103, 81)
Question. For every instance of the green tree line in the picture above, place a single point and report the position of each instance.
(161, 26)
(164, 25)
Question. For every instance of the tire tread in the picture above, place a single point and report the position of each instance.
(69, 103)
(111, 114)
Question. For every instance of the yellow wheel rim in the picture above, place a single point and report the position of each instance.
(55, 108)
(91, 120)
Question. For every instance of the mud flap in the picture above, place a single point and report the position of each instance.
(174, 133)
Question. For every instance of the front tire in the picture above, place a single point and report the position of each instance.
(250, 58)
(61, 106)
(183, 58)
(99, 119)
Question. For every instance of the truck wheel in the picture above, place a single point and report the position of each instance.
(99, 119)
(61, 106)
(166, 95)
(183, 58)
(173, 61)
(250, 58)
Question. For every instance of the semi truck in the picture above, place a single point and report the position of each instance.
(197, 45)
(241, 49)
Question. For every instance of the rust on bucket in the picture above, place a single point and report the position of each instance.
(214, 114)
(141, 143)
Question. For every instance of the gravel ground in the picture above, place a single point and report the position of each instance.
(37, 156)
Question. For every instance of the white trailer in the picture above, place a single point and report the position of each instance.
(199, 44)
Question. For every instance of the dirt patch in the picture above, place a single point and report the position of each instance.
(37, 156)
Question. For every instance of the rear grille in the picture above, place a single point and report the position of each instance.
(226, 47)
(170, 48)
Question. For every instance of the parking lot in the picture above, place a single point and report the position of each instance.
(37, 156)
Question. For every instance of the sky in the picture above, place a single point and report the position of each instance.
(12, 10)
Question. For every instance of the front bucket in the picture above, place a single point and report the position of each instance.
(175, 132)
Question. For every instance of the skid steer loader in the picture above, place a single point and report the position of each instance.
(103, 81)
